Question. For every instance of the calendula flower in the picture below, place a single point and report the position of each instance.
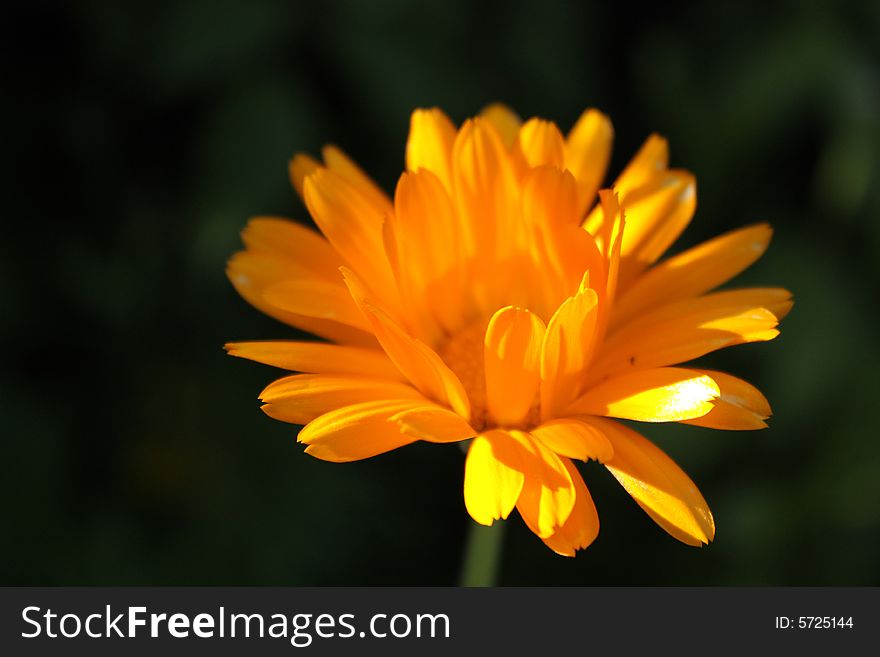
(500, 298)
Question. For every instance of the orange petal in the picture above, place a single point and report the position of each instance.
(658, 485)
(548, 494)
(353, 225)
(666, 394)
(512, 354)
(317, 357)
(341, 164)
(316, 299)
(426, 261)
(483, 182)
(688, 329)
(741, 406)
(434, 423)
(694, 271)
(357, 432)
(582, 526)
(305, 248)
(299, 167)
(303, 397)
(505, 121)
(587, 151)
(560, 250)
(567, 350)
(429, 145)
(418, 362)
(493, 476)
(253, 272)
(575, 439)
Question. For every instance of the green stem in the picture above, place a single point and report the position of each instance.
(482, 554)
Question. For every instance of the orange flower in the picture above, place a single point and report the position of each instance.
(495, 299)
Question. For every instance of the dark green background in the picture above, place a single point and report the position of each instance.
(139, 137)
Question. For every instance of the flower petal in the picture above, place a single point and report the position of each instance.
(483, 192)
(357, 432)
(299, 167)
(493, 476)
(575, 439)
(548, 494)
(426, 245)
(741, 406)
(253, 272)
(353, 225)
(512, 355)
(316, 299)
(656, 215)
(666, 394)
(538, 143)
(301, 398)
(567, 350)
(344, 166)
(418, 362)
(434, 423)
(429, 145)
(505, 121)
(694, 271)
(317, 357)
(305, 248)
(690, 328)
(582, 526)
(658, 485)
(587, 152)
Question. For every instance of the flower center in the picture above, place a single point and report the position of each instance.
(463, 354)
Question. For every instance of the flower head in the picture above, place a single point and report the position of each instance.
(500, 298)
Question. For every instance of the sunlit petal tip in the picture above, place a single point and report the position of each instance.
(506, 122)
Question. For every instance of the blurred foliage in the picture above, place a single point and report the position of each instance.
(139, 137)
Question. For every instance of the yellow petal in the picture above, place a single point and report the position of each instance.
(317, 357)
(587, 151)
(538, 142)
(505, 121)
(303, 397)
(582, 525)
(418, 362)
(429, 145)
(435, 424)
(658, 485)
(353, 225)
(652, 158)
(356, 432)
(694, 271)
(575, 439)
(303, 247)
(316, 299)
(341, 164)
(656, 215)
(687, 329)
(299, 167)
(566, 351)
(741, 406)
(512, 354)
(548, 493)
(666, 394)
(252, 272)
(493, 476)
